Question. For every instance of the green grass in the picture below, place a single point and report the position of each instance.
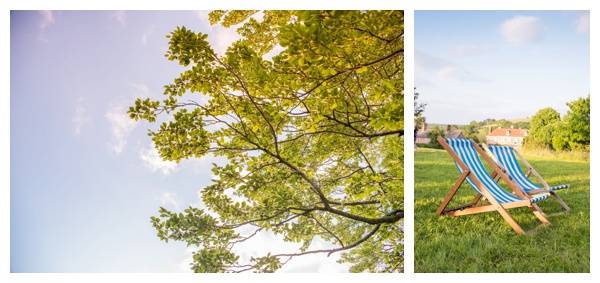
(485, 242)
(564, 155)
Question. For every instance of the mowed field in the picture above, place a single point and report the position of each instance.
(485, 242)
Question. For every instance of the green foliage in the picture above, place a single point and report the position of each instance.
(543, 118)
(522, 125)
(419, 107)
(433, 135)
(578, 122)
(560, 137)
(542, 128)
(312, 136)
(572, 132)
(505, 124)
(471, 131)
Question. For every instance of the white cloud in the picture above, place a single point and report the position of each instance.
(47, 19)
(220, 38)
(471, 49)
(146, 35)
(80, 119)
(119, 16)
(443, 69)
(154, 162)
(463, 49)
(170, 199)
(185, 266)
(448, 71)
(583, 21)
(522, 30)
(139, 90)
(421, 82)
(121, 126)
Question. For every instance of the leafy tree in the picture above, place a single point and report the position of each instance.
(419, 109)
(312, 137)
(488, 121)
(471, 132)
(577, 122)
(433, 134)
(542, 130)
(505, 123)
(482, 134)
(560, 136)
(522, 125)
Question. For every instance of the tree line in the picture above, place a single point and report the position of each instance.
(547, 129)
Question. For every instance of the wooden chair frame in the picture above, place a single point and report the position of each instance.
(530, 170)
(493, 205)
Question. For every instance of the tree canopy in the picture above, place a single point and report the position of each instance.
(572, 132)
(578, 121)
(542, 127)
(419, 109)
(312, 137)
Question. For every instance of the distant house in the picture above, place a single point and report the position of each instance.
(422, 134)
(513, 137)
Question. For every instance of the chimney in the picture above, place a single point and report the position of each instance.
(424, 126)
(447, 128)
(489, 130)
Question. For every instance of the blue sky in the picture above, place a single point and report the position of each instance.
(473, 65)
(84, 178)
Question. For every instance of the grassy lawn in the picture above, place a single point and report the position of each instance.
(485, 242)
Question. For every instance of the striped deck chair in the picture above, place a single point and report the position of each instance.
(466, 154)
(506, 158)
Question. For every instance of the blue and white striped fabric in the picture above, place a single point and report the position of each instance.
(466, 152)
(506, 157)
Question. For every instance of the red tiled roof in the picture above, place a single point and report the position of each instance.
(499, 132)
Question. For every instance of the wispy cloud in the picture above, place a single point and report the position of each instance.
(145, 36)
(154, 162)
(139, 90)
(583, 21)
(121, 125)
(80, 119)
(47, 19)
(470, 49)
(443, 68)
(220, 38)
(119, 16)
(170, 199)
(188, 258)
(522, 30)
(465, 49)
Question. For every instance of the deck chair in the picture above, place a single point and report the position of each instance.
(466, 154)
(506, 158)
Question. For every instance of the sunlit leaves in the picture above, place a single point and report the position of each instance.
(312, 135)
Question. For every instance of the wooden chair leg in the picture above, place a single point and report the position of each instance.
(452, 192)
(564, 205)
(513, 224)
